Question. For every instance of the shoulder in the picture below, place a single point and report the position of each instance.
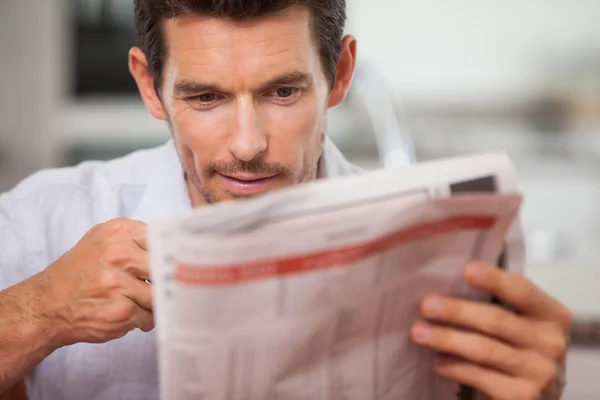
(91, 178)
(54, 208)
(87, 185)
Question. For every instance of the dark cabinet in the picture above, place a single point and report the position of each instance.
(104, 33)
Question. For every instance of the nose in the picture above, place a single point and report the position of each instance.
(248, 139)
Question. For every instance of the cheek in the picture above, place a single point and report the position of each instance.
(204, 134)
(293, 130)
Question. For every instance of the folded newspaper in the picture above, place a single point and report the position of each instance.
(310, 292)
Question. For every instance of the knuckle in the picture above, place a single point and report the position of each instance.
(528, 391)
(566, 317)
(452, 309)
(110, 280)
(117, 226)
(548, 374)
(483, 353)
(516, 362)
(495, 320)
(441, 337)
(115, 255)
(95, 230)
(556, 345)
(523, 287)
(123, 312)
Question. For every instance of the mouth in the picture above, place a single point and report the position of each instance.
(247, 184)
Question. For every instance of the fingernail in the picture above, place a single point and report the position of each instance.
(422, 333)
(434, 307)
(476, 272)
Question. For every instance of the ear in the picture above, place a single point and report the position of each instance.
(344, 71)
(138, 66)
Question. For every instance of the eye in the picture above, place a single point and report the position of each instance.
(285, 92)
(284, 95)
(207, 97)
(205, 101)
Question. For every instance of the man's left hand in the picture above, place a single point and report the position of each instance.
(505, 355)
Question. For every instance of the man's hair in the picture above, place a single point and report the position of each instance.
(328, 18)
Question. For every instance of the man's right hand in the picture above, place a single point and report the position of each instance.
(97, 291)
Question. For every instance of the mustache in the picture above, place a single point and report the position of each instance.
(255, 166)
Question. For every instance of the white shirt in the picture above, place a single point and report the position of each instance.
(47, 214)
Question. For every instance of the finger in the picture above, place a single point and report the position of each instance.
(518, 292)
(138, 234)
(121, 228)
(492, 383)
(138, 264)
(485, 351)
(138, 291)
(143, 319)
(494, 321)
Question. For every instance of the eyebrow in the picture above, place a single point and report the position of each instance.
(187, 87)
(291, 78)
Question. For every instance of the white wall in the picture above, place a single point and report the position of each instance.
(25, 88)
(32, 83)
(474, 49)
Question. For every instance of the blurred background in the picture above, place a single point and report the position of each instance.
(448, 78)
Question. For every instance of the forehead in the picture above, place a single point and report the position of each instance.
(201, 47)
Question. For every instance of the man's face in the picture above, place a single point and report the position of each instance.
(246, 103)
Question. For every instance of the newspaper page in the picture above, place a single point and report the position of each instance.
(310, 292)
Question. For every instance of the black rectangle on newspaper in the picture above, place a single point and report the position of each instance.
(485, 184)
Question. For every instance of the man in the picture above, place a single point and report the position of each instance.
(244, 87)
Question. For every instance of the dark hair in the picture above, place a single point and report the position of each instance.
(328, 20)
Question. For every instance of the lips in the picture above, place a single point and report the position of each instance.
(247, 184)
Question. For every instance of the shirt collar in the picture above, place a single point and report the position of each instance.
(333, 164)
(166, 191)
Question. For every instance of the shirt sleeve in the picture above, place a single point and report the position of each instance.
(12, 242)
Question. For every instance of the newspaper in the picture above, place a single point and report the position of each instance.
(310, 292)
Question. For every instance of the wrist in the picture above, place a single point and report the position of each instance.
(25, 339)
(46, 326)
(40, 333)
